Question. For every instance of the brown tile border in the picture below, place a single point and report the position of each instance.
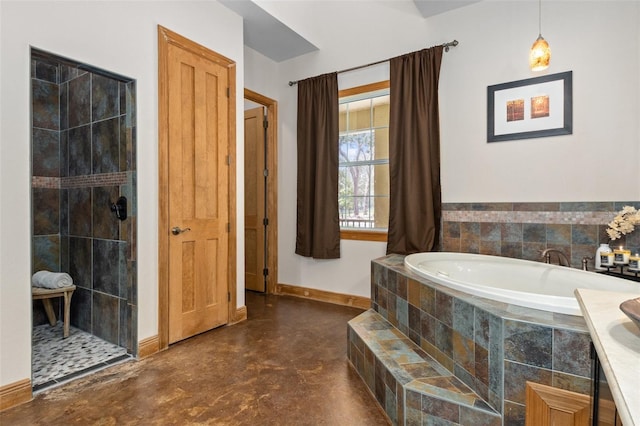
(547, 217)
(85, 181)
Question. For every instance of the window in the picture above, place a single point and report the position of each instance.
(363, 181)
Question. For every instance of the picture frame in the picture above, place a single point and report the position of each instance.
(531, 108)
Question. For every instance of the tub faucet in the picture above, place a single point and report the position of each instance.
(562, 258)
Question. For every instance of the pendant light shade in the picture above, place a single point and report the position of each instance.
(540, 54)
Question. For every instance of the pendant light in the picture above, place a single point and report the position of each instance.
(540, 54)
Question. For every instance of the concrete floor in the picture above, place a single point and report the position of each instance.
(286, 365)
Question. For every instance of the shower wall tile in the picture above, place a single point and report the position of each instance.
(124, 323)
(131, 104)
(105, 223)
(64, 212)
(106, 317)
(79, 149)
(46, 253)
(67, 72)
(81, 261)
(64, 106)
(132, 273)
(45, 211)
(131, 148)
(105, 145)
(105, 99)
(84, 125)
(109, 267)
(123, 145)
(80, 212)
(64, 153)
(46, 153)
(123, 270)
(122, 97)
(45, 108)
(46, 71)
(80, 100)
(64, 253)
(81, 309)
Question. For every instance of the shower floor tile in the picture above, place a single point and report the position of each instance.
(56, 360)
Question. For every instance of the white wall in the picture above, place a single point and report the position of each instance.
(119, 37)
(598, 40)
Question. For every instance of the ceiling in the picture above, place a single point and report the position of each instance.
(271, 37)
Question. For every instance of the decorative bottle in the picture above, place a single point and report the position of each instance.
(604, 248)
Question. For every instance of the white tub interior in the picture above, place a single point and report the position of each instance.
(521, 282)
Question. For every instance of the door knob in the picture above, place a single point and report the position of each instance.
(176, 230)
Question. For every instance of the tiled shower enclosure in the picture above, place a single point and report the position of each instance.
(83, 160)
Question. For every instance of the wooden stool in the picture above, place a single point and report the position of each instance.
(46, 294)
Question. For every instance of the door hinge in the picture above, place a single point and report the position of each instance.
(229, 160)
(228, 297)
(265, 221)
(228, 226)
(265, 124)
(265, 172)
(265, 272)
(228, 92)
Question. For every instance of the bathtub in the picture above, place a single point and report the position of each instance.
(520, 282)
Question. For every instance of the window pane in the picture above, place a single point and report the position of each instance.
(364, 156)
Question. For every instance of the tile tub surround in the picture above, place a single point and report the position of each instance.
(83, 146)
(411, 387)
(524, 230)
(492, 347)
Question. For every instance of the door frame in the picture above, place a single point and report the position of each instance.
(167, 37)
(272, 185)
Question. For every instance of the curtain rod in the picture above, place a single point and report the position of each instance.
(446, 46)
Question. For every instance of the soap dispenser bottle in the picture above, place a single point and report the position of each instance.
(604, 248)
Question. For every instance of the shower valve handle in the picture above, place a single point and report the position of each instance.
(176, 230)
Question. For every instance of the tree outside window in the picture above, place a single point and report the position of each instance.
(363, 183)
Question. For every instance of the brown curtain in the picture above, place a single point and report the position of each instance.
(318, 227)
(414, 152)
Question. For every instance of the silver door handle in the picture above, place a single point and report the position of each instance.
(176, 230)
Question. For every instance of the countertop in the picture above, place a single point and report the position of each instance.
(617, 342)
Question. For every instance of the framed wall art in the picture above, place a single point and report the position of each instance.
(532, 108)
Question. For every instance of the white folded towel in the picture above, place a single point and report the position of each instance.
(47, 279)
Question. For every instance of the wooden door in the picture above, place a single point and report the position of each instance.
(198, 210)
(254, 199)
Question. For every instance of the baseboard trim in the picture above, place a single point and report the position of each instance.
(148, 346)
(239, 315)
(15, 394)
(324, 296)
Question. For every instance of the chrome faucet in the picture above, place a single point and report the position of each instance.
(562, 258)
